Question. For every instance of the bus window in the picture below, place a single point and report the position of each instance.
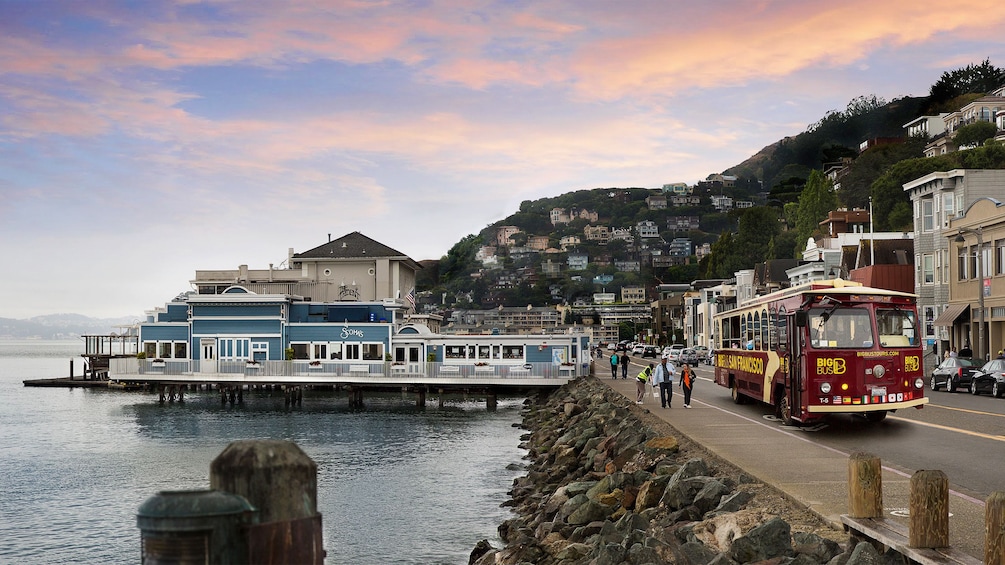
(783, 328)
(897, 328)
(840, 327)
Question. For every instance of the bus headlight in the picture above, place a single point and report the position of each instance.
(919, 382)
(825, 388)
(879, 371)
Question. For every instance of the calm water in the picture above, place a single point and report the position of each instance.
(395, 483)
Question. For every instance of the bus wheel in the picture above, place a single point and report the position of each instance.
(734, 391)
(877, 416)
(784, 410)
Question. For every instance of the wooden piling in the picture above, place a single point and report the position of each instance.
(994, 529)
(280, 481)
(865, 486)
(929, 510)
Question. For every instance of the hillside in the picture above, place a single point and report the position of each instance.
(534, 260)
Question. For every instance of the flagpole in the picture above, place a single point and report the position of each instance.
(872, 237)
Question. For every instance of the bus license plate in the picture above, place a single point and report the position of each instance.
(877, 391)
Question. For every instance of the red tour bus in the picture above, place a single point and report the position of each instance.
(826, 347)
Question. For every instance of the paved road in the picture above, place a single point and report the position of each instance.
(811, 464)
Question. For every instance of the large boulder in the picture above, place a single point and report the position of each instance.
(769, 540)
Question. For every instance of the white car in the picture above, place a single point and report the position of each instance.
(674, 353)
(638, 349)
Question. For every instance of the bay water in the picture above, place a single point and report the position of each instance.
(396, 483)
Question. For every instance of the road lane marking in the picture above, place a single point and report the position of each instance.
(949, 429)
(967, 410)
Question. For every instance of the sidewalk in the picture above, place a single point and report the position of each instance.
(789, 459)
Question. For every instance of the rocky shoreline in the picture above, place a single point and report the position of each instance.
(608, 482)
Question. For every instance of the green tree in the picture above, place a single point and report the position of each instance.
(863, 171)
(972, 135)
(991, 155)
(815, 202)
(981, 78)
(888, 190)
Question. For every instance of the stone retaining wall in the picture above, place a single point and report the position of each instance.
(609, 483)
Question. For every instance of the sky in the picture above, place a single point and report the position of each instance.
(141, 141)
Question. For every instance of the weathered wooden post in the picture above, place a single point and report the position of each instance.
(994, 529)
(929, 509)
(865, 486)
(280, 480)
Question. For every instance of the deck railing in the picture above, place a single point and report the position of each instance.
(128, 368)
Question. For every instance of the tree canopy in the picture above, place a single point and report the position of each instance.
(816, 201)
(981, 78)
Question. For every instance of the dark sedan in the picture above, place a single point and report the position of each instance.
(990, 379)
(954, 373)
(650, 351)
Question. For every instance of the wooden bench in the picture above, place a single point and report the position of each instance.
(519, 372)
(359, 369)
(450, 369)
(896, 536)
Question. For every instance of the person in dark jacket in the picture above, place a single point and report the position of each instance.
(624, 360)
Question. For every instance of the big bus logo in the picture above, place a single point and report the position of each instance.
(911, 363)
(830, 366)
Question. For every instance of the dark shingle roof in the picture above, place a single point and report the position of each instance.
(352, 246)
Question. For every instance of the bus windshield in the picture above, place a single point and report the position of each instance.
(840, 327)
(897, 328)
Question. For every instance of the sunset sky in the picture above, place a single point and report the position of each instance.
(141, 141)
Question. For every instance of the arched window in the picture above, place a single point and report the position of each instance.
(764, 329)
(783, 328)
(757, 331)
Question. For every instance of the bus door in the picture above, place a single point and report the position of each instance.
(794, 380)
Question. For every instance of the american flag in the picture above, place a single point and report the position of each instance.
(410, 297)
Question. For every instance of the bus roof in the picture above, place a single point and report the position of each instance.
(831, 286)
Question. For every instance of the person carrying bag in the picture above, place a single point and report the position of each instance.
(663, 378)
(686, 383)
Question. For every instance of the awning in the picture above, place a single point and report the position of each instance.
(949, 315)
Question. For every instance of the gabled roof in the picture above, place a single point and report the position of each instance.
(354, 246)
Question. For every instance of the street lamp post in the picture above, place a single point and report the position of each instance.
(980, 285)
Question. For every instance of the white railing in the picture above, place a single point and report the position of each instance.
(128, 368)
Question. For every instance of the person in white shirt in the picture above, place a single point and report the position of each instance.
(663, 377)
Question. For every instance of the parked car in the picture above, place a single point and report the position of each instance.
(702, 352)
(639, 349)
(650, 351)
(674, 352)
(954, 373)
(990, 379)
(688, 355)
(710, 357)
(612, 346)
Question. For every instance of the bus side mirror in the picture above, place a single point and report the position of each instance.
(800, 319)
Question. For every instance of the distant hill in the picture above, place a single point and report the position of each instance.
(60, 326)
(836, 135)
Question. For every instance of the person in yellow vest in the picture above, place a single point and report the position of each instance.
(641, 381)
(686, 382)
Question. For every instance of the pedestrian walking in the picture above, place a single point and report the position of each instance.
(663, 377)
(624, 360)
(686, 383)
(640, 383)
(614, 365)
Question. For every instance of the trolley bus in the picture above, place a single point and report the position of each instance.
(822, 348)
